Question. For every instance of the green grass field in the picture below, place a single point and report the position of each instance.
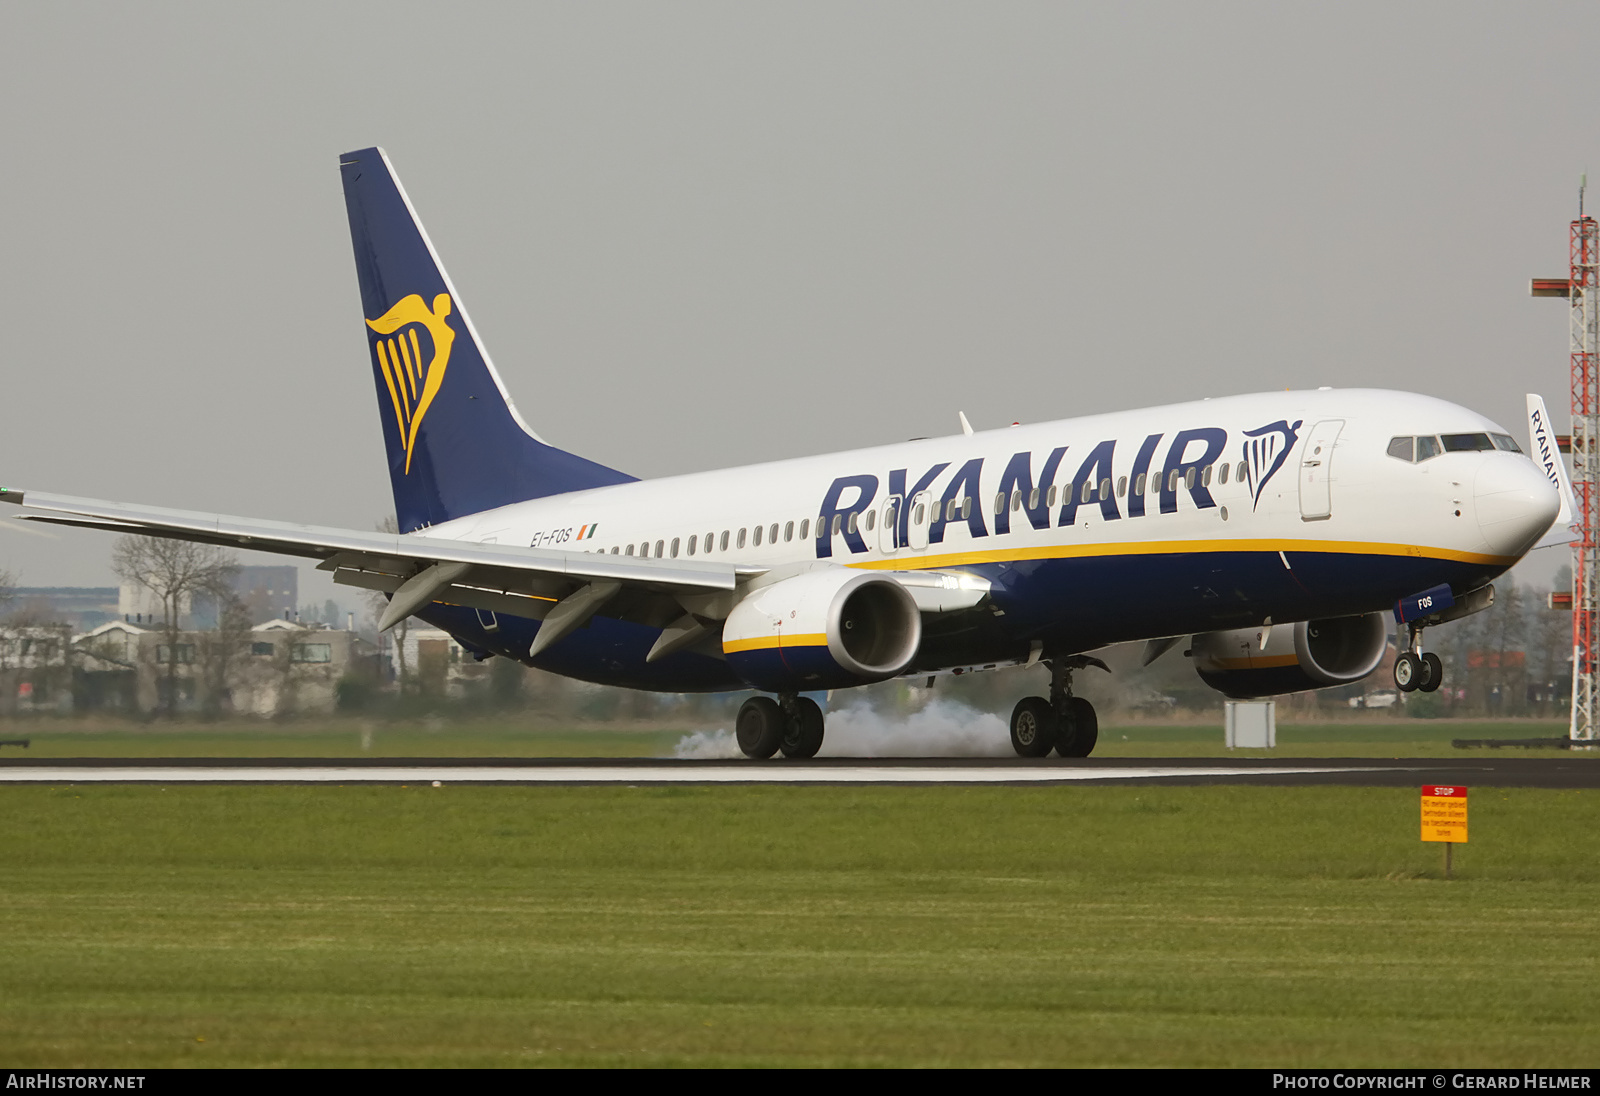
(148, 926)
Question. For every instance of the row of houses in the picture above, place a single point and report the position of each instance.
(279, 667)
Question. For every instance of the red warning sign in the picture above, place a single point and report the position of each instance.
(1444, 813)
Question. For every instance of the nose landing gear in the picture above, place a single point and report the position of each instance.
(1416, 669)
(1064, 723)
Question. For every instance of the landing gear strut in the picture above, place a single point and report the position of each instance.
(791, 723)
(1415, 669)
(1064, 723)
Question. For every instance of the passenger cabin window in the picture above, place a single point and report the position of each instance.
(1000, 503)
(724, 541)
(710, 542)
(755, 541)
(1188, 480)
(1138, 484)
(1238, 474)
(741, 538)
(674, 547)
(1051, 500)
(850, 525)
(805, 529)
(788, 529)
(630, 549)
(1033, 499)
(838, 520)
(772, 534)
(1222, 472)
(1122, 487)
(659, 545)
(691, 544)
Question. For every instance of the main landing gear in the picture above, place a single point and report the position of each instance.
(1415, 669)
(1065, 723)
(791, 723)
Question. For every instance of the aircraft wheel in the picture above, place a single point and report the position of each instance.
(802, 729)
(1080, 731)
(1407, 672)
(1034, 727)
(1432, 673)
(759, 727)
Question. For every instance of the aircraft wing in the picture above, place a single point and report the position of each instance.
(532, 582)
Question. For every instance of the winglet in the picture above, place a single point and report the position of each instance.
(966, 427)
(1542, 448)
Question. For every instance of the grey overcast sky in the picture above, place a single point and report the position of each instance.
(697, 234)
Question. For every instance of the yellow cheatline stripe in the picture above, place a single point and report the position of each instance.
(1266, 663)
(1177, 547)
(761, 643)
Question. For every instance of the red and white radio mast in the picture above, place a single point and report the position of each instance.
(1581, 288)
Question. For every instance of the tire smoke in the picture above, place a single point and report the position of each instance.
(943, 728)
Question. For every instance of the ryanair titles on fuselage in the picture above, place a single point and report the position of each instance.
(848, 498)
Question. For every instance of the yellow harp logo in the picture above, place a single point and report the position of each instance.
(412, 382)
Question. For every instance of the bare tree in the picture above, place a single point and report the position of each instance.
(174, 571)
(219, 651)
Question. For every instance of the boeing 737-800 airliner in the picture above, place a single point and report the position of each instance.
(1280, 531)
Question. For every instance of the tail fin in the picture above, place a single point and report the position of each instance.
(1547, 455)
(456, 444)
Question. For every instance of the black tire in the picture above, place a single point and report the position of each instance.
(759, 727)
(1034, 727)
(802, 729)
(1407, 672)
(1432, 673)
(1080, 731)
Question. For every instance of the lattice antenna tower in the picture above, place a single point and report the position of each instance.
(1581, 288)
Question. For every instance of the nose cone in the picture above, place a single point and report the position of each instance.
(1515, 503)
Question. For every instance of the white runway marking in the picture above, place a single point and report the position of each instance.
(753, 773)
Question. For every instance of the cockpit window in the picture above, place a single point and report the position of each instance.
(1402, 448)
(1466, 443)
(1427, 449)
(1506, 443)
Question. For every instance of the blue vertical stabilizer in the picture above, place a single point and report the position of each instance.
(456, 445)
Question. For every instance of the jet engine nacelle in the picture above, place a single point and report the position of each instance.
(825, 629)
(1310, 655)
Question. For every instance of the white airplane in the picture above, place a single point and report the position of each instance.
(1278, 530)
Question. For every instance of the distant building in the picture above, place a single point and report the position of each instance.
(268, 593)
(276, 668)
(81, 607)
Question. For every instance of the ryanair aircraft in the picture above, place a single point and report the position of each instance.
(1280, 531)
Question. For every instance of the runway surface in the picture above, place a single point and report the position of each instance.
(1580, 772)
